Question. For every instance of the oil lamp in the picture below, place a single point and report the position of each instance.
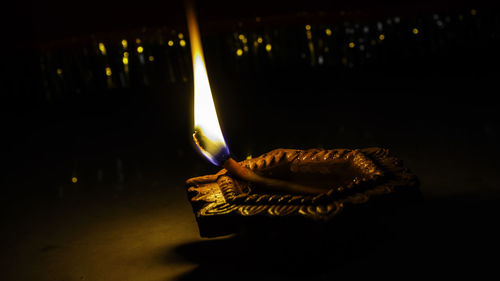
(313, 184)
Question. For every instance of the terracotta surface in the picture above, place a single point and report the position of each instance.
(222, 202)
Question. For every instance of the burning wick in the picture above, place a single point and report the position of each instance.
(220, 156)
(280, 185)
(207, 135)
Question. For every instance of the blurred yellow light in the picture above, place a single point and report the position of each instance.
(125, 60)
(182, 43)
(108, 71)
(351, 45)
(59, 71)
(308, 27)
(239, 52)
(460, 17)
(138, 41)
(124, 44)
(151, 58)
(268, 47)
(180, 35)
(102, 48)
(245, 48)
(170, 43)
(241, 36)
(328, 31)
(309, 35)
(125, 54)
(259, 40)
(311, 50)
(381, 37)
(140, 49)
(74, 179)
(415, 31)
(473, 12)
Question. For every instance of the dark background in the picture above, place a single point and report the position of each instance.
(430, 98)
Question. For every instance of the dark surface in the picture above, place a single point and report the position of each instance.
(430, 243)
(128, 217)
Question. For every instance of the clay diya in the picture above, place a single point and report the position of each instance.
(281, 185)
(345, 178)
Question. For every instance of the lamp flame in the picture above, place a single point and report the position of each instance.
(207, 134)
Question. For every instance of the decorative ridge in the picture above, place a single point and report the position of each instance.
(217, 196)
(295, 158)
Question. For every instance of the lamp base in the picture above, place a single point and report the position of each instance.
(354, 183)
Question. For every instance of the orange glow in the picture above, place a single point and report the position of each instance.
(207, 135)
